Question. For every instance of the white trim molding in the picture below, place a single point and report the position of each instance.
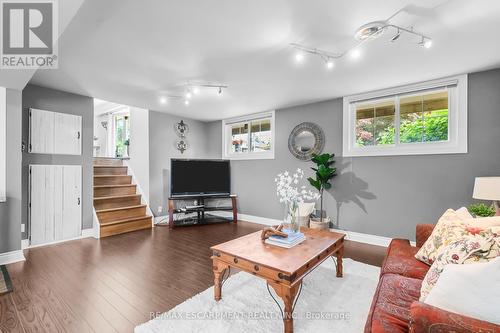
(350, 235)
(3, 144)
(249, 155)
(456, 87)
(11, 257)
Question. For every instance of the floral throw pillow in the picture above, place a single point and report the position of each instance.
(450, 227)
(480, 245)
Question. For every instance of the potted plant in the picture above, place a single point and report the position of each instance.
(323, 174)
(481, 210)
(291, 193)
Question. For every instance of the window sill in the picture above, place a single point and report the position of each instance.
(250, 157)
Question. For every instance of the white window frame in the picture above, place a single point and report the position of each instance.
(3, 144)
(226, 137)
(457, 120)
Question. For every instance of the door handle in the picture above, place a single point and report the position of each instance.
(78, 201)
(78, 135)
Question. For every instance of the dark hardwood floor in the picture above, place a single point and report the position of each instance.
(113, 284)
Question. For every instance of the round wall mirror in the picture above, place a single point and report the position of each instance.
(305, 140)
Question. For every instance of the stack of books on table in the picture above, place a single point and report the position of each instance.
(293, 239)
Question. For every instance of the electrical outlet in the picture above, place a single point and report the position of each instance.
(160, 209)
(23, 227)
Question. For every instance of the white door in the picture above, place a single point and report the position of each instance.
(67, 139)
(55, 203)
(41, 134)
(54, 133)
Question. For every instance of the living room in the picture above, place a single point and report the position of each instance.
(250, 166)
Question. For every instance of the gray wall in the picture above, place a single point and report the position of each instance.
(161, 149)
(10, 211)
(59, 101)
(384, 196)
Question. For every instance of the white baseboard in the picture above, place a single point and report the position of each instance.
(11, 257)
(350, 235)
(86, 233)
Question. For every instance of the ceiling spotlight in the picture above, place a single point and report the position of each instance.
(370, 30)
(329, 64)
(188, 94)
(427, 43)
(299, 57)
(163, 100)
(355, 53)
(396, 36)
(196, 90)
(186, 102)
(220, 91)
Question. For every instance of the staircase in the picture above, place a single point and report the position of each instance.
(118, 207)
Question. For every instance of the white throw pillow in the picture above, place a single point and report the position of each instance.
(469, 290)
(305, 208)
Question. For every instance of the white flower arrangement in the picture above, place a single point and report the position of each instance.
(290, 192)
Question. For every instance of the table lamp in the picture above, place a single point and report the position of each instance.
(488, 188)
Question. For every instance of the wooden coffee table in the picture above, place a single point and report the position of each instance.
(283, 269)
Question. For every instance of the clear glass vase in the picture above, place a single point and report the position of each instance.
(291, 219)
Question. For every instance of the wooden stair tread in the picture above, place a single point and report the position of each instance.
(117, 197)
(109, 166)
(100, 176)
(130, 219)
(119, 208)
(117, 185)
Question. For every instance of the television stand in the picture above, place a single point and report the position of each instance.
(197, 210)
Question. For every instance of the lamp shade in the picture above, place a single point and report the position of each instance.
(487, 188)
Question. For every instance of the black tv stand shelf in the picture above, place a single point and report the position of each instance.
(199, 209)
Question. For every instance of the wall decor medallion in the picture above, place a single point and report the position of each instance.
(181, 145)
(181, 129)
(305, 140)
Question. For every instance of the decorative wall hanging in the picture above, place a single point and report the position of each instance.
(181, 129)
(305, 140)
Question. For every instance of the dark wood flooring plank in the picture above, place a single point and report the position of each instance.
(9, 319)
(112, 284)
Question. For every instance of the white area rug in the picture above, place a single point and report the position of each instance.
(326, 304)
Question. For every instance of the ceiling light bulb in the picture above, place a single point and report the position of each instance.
(428, 43)
(196, 90)
(355, 53)
(299, 57)
(189, 95)
(163, 100)
(186, 102)
(329, 64)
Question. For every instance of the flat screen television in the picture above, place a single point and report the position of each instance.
(199, 177)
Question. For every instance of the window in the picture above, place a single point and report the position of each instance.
(122, 134)
(249, 137)
(426, 118)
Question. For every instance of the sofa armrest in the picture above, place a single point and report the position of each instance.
(427, 318)
(423, 232)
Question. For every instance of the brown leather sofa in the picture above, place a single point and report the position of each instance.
(395, 306)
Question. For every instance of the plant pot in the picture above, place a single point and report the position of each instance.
(315, 223)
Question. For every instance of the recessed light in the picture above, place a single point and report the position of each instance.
(163, 100)
(186, 102)
(189, 95)
(428, 43)
(196, 90)
(330, 64)
(355, 53)
(299, 57)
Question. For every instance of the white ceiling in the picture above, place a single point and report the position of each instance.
(133, 52)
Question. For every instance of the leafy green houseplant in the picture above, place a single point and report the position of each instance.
(481, 210)
(324, 172)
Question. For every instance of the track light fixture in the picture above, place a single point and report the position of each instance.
(367, 32)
